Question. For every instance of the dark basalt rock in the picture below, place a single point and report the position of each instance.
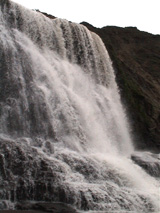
(26, 178)
(149, 162)
(40, 207)
(24, 174)
(46, 207)
(136, 59)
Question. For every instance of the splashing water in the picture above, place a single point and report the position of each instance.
(60, 100)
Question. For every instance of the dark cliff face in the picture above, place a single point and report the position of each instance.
(136, 59)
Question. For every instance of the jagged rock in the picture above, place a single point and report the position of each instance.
(25, 173)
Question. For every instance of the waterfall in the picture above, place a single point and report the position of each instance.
(60, 105)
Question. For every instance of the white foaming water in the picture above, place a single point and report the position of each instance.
(65, 76)
(84, 115)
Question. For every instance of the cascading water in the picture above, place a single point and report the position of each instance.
(64, 134)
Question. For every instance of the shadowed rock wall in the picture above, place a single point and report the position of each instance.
(136, 59)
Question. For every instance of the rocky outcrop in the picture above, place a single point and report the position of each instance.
(148, 161)
(136, 59)
(26, 175)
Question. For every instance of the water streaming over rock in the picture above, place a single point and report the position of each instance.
(63, 131)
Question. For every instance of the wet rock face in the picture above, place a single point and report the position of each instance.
(24, 172)
(136, 60)
(40, 207)
(148, 161)
(33, 180)
(27, 175)
(46, 207)
(21, 113)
